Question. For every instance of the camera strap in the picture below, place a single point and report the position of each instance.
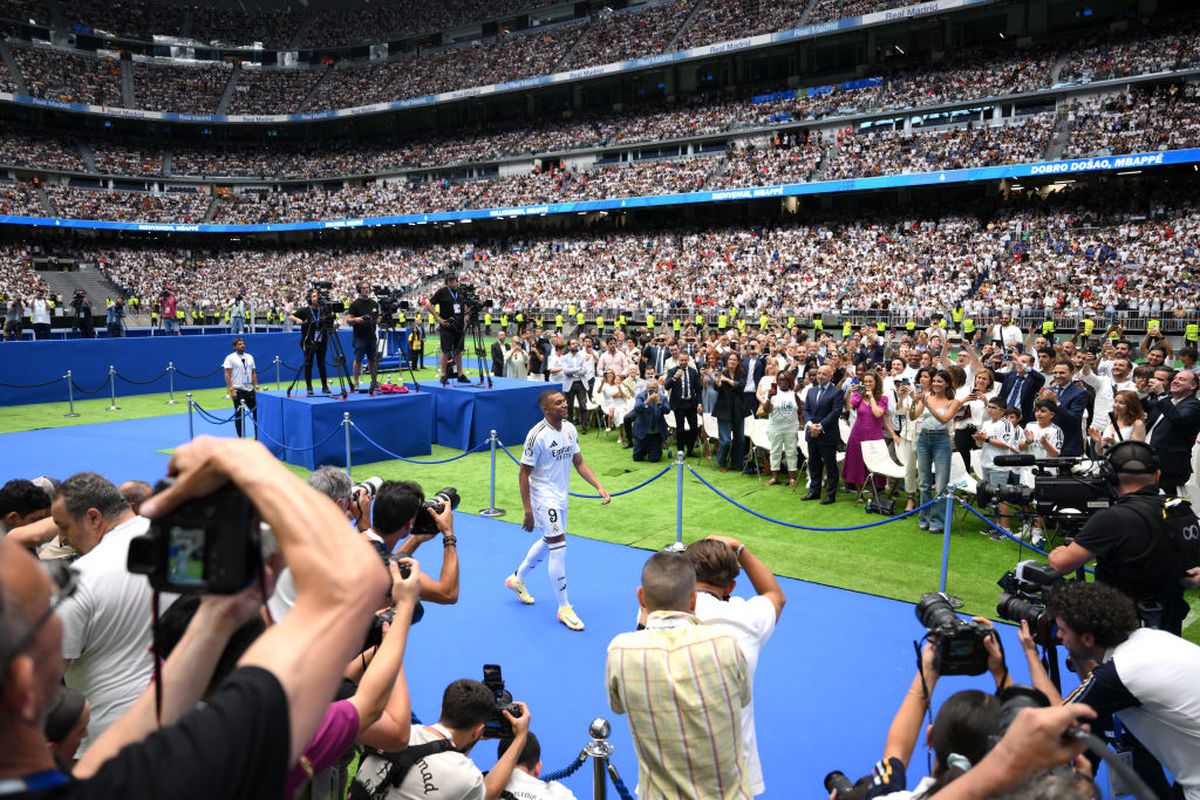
(399, 763)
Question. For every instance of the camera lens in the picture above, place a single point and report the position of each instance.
(935, 610)
(837, 782)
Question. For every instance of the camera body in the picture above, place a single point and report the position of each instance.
(1024, 598)
(1067, 501)
(958, 645)
(425, 525)
(210, 545)
(497, 726)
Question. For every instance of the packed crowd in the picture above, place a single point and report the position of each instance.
(973, 73)
(789, 158)
(405, 18)
(176, 206)
(272, 91)
(619, 36)
(23, 148)
(20, 198)
(1141, 120)
(1025, 257)
(126, 158)
(724, 20)
(188, 90)
(826, 10)
(869, 153)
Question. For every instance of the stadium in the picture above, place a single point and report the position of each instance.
(877, 231)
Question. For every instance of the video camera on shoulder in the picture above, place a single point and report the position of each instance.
(1024, 598)
(209, 545)
(497, 725)
(958, 644)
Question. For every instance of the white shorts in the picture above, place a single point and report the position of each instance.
(550, 522)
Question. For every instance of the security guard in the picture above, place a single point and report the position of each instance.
(1140, 543)
(1048, 329)
(764, 321)
(1191, 333)
(558, 322)
(968, 328)
(650, 321)
(722, 322)
(847, 329)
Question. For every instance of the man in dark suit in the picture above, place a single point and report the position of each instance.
(1172, 423)
(656, 354)
(755, 364)
(822, 406)
(683, 388)
(1072, 402)
(1020, 386)
(499, 354)
(649, 423)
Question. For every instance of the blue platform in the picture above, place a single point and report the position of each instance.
(139, 362)
(399, 423)
(466, 415)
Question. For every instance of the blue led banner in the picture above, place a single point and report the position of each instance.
(1010, 171)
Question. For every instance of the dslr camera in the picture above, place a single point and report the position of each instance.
(1024, 598)
(497, 726)
(425, 526)
(958, 645)
(209, 545)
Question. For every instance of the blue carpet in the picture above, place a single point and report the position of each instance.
(828, 682)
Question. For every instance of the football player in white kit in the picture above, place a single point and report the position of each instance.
(551, 448)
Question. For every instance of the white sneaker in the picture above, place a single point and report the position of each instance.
(1036, 538)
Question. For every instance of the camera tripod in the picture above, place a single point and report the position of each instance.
(383, 330)
(475, 329)
(341, 370)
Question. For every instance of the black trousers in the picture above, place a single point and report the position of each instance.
(685, 435)
(315, 351)
(577, 396)
(250, 398)
(822, 466)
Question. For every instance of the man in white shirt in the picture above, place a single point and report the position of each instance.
(106, 623)
(718, 560)
(525, 783)
(573, 375)
(551, 449)
(39, 314)
(241, 379)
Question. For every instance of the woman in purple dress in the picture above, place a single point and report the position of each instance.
(868, 399)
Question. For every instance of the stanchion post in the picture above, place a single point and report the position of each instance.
(947, 524)
(599, 748)
(346, 424)
(191, 422)
(277, 362)
(679, 464)
(241, 410)
(112, 388)
(70, 395)
(491, 510)
(171, 383)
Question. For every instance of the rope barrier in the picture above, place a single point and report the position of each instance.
(279, 444)
(618, 784)
(212, 417)
(33, 385)
(378, 446)
(1008, 534)
(665, 470)
(141, 383)
(558, 775)
(97, 390)
(198, 377)
(798, 526)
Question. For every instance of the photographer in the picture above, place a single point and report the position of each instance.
(313, 342)
(169, 309)
(362, 316)
(398, 506)
(526, 783)
(466, 706)
(452, 326)
(1146, 676)
(649, 423)
(240, 744)
(961, 732)
(83, 314)
(1138, 543)
(114, 319)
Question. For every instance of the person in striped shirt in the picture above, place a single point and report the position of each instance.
(683, 684)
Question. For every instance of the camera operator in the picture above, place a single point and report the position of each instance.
(363, 313)
(312, 339)
(241, 743)
(114, 319)
(1135, 543)
(452, 327)
(466, 706)
(83, 314)
(1146, 676)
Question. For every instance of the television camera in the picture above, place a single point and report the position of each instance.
(1065, 501)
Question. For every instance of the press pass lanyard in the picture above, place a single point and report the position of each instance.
(37, 782)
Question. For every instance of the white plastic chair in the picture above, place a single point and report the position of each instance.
(960, 479)
(879, 462)
(759, 440)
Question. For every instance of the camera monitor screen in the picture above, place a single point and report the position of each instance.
(186, 555)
